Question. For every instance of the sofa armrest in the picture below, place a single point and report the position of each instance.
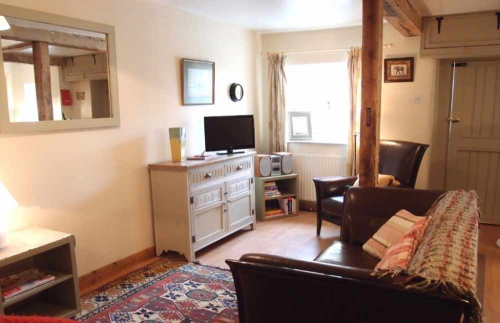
(332, 186)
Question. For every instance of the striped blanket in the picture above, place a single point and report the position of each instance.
(446, 258)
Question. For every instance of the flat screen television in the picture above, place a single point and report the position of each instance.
(229, 133)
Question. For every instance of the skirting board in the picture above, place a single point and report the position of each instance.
(307, 206)
(107, 273)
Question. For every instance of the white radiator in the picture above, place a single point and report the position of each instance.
(308, 166)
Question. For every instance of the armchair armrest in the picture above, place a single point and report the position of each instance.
(332, 186)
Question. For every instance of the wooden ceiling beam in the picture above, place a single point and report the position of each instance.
(17, 47)
(28, 59)
(403, 16)
(55, 38)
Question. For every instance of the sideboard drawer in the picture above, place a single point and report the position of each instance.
(206, 174)
(238, 166)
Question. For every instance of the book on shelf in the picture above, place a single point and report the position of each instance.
(273, 212)
(271, 190)
(288, 205)
(24, 281)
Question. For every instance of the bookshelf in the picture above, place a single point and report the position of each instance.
(51, 252)
(287, 185)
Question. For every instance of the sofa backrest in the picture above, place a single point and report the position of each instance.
(366, 209)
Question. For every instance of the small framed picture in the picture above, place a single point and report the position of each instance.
(398, 70)
(80, 96)
(198, 82)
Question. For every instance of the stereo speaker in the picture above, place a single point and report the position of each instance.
(262, 165)
(286, 163)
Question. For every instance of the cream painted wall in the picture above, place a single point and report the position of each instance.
(79, 109)
(401, 118)
(95, 184)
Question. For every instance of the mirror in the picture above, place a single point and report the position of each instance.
(57, 75)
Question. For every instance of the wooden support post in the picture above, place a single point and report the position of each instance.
(371, 87)
(41, 60)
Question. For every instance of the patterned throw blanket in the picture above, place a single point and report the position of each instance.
(446, 258)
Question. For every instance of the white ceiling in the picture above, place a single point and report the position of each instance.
(288, 15)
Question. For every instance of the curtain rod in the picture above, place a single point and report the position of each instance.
(311, 51)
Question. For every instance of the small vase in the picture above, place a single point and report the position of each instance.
(178, 144)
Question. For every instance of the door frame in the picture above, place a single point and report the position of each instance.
(441, 107)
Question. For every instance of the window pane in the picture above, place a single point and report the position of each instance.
(321, 89)
(299, 126)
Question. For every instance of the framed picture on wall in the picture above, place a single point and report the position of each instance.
(198, 82)
(398, 70)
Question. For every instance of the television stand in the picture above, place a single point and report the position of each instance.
(231, 152)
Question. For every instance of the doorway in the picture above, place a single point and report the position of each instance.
(466, 134)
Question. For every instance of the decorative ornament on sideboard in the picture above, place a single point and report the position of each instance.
(178, 144)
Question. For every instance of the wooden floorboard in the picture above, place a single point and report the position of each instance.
(293, 237)
(488, 235)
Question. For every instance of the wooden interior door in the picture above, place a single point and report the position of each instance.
(474, 135)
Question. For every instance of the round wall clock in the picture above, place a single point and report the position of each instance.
(236, 92)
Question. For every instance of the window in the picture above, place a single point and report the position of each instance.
(323, 91)
(300, 125)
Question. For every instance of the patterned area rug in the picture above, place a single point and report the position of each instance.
(168, 290)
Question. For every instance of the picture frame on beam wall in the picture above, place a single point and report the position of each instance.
(399, 70)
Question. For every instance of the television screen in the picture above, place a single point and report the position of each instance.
(229, 133)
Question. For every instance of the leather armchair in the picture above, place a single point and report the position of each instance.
(400, 159)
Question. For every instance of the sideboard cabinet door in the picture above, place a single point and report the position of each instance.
(208, 210)
(239, 202)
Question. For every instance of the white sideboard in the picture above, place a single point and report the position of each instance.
(196, 203)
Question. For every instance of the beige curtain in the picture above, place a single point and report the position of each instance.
(354, 71)
(277, 82)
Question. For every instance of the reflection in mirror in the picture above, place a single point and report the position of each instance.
(54, 72)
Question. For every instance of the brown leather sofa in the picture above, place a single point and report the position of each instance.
(400, 159)
(337, 285)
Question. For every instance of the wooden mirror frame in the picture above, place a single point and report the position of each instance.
(60, 125)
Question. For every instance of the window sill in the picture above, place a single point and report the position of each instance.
(316, 142)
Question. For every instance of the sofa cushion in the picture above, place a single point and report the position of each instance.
(390, 233)
(346, 254)
(398, 256)
(333, 206)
